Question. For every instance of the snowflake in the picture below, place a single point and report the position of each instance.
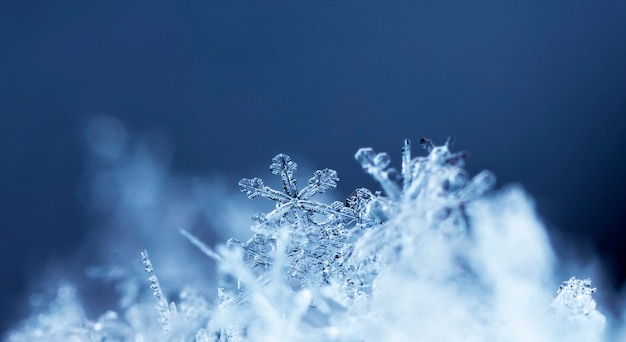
(574, 298)
(317, 233)
(437, 180)
(295, 207)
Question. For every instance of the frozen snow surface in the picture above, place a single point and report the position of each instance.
(436, 255)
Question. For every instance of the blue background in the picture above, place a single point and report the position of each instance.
(534, 90)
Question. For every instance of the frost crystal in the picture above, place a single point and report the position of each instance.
(435, 181)
(293, 207)
(313, 244)
(165, 310)
(313, 234)
(574, 300)
(428, 258)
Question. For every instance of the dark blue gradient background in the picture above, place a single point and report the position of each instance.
(534, 90)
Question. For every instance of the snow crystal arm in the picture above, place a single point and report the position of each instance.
(283, 166)
(441, 154)
(480, 184)
(427, 144)
(321, 181)
(254, 188)
(358, 204)
(257, 255)
(338, 213)
(406, 163)
(275, 215)
(201, 246)
(165, 311)
(322, 208)
(359, 198)
(375, 165)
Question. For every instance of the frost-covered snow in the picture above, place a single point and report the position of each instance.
(436, 256)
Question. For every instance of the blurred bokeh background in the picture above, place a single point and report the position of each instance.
(534, 90)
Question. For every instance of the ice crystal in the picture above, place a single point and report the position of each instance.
(321, 253)
(166, 311)
(292, 206)
(574, 300)
(314, 234)
(437, 181)
(430, 257)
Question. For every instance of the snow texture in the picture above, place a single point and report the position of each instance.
(436, 256)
